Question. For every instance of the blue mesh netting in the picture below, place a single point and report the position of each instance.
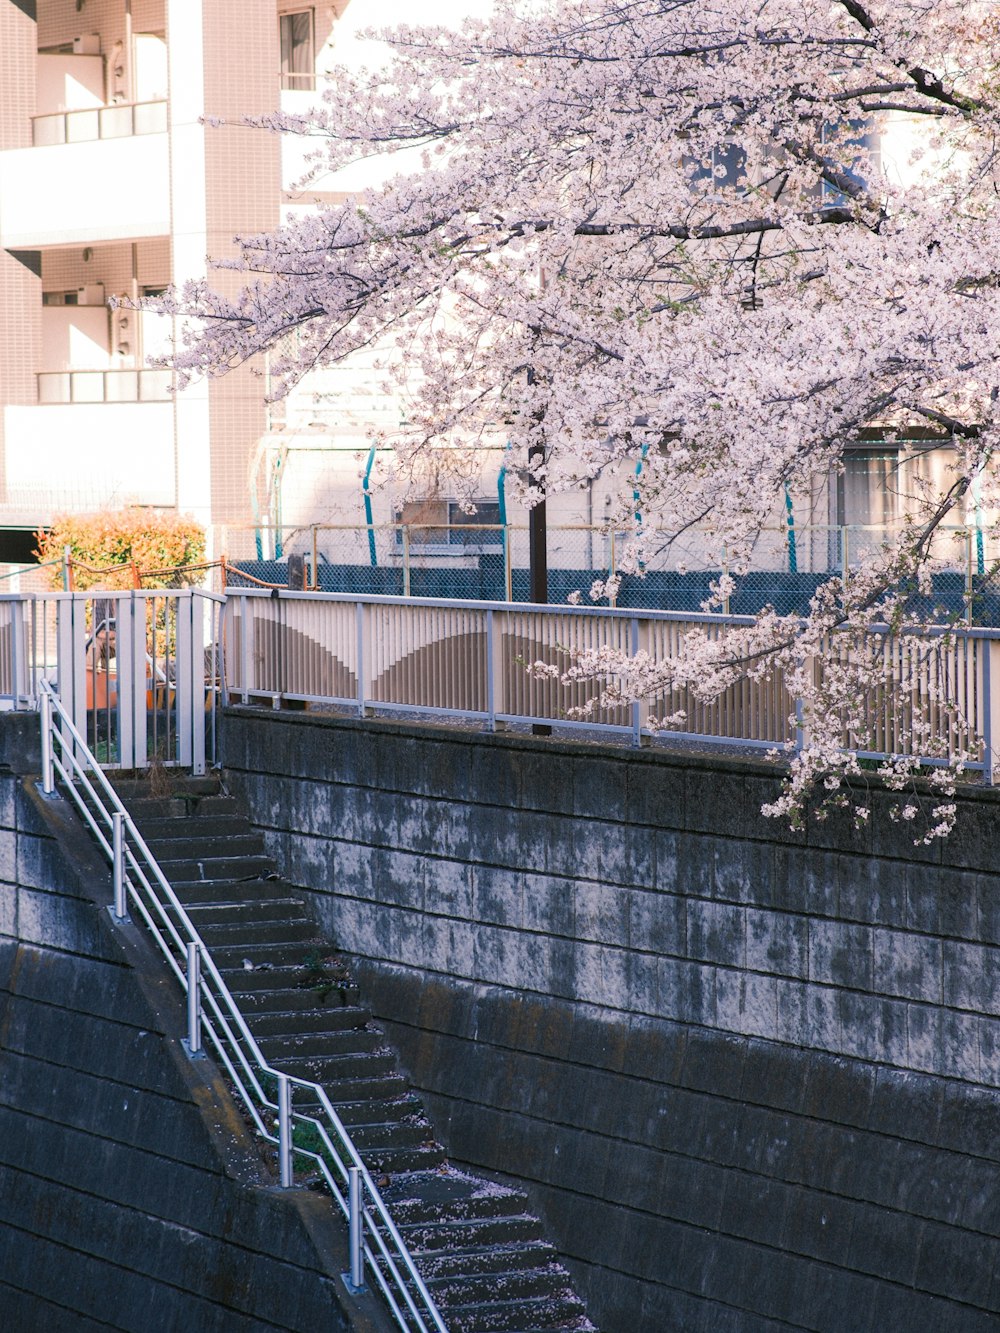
(662, 590)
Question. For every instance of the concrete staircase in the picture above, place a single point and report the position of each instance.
(481, 1251)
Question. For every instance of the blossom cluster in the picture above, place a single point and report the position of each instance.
(661, 241)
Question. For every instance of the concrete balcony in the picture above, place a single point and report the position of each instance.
(114, 189)
(104, 386)
(95, 454)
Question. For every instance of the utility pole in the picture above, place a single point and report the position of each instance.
(538, 556)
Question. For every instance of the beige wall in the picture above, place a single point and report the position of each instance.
(20, 288)
(242, 171)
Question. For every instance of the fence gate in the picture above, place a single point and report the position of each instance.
(136, 670)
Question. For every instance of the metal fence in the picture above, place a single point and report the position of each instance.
(137, 670)
(470, 660)
(486, 562)
(143, 673)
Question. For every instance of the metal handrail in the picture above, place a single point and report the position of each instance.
(100, 117)
(214, 1013)
(61, 388)
(253, 668)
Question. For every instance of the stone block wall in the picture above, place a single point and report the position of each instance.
(752, 1076)
(132, 1194)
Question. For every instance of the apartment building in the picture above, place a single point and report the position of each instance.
(114, 181)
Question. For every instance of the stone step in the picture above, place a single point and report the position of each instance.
(172, 783)
(330, 1071)
(277, 984)
(359, 1091)
(230, 846)
(457, 1236)
(175, 807)
(266, 957)
(281, 991)
(257, 933)
(494, 1259)
(212, 868)
(390, 1134)
(430, 1157)
(456, 1196)
(557, 1311)
(376, 1111)
(198, 826)
(320, 1045)
(258, 910)
(455, 1292)
(285, 1024)
(230, 890)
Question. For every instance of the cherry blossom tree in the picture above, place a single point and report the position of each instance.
(672, 232)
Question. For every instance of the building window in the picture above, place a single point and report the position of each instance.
(445, 523)
(868, 488)
(855, 147)
(298, 60)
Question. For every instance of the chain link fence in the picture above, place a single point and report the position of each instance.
(677, 572)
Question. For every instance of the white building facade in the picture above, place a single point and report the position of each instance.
(115, 183)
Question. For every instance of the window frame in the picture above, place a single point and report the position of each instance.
(458, 537)
(291, 80)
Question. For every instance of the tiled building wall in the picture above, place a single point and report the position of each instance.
(20, 286)
(242, 172)
(64, 270)
(60, 23)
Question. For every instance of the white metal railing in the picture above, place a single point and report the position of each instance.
(104, 386)
(214, 1019)
(142, 674)
(136, 669)
(120, 120)
(467, 659)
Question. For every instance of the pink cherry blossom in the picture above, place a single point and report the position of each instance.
(667, 233)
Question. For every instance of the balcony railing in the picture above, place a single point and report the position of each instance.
(104, 386)
(100, 122)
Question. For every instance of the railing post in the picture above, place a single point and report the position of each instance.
(508, 573)
(354, 1281)
(360, 614)
(193, 1000)
(48, 767)
(120, 908)
(968, 579)
(285, 1131)
(637, 707)
(15, 654)
(991, 699)
(245, 647)
(491, 706)
(406, 560)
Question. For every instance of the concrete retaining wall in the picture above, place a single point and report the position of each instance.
(131, 1192)
(752, 1076)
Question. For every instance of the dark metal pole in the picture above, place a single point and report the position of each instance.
(538, 558)
(538, 561)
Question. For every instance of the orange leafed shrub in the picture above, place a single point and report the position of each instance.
(152, 539)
